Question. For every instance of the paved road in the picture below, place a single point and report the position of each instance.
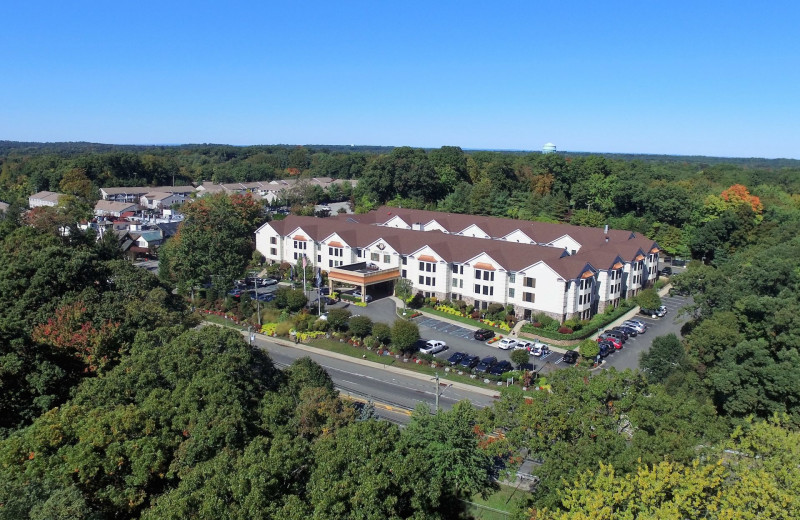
(377, 383)
(628, 356)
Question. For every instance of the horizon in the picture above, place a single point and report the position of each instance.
(319, 145)
(631, 78)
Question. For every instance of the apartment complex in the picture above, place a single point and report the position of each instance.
(564, 271)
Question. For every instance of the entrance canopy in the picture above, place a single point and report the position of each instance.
(362, 275)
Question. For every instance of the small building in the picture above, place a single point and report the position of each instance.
(107, 208)
(160, 200)
(149, 239)
(44, 198)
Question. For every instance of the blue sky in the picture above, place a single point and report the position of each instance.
(687, 78)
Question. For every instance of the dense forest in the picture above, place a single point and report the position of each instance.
(113, 404)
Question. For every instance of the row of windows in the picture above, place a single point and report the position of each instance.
(428, 267)
(487, 276)
(487, 290)
(300, 244)
(336, 251)
(427, 280)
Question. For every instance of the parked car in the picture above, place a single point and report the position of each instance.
(265, 297)
(483, 334)
(506, 344)
(638, 326)
(667, 271)
(630, 331)
(614, 341)
(523, 345)
(615, 334)
(625, 335)
(367, 298)
(570, 357)
(500, 368)
(270, 281)
(606, 348)
(485, 364)
(653, 313)
(662, 311)
(539, 350)
(433, 346)
(456, 358)
(236, 292)
(470, 362)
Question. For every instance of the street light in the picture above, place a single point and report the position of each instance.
(438, 389)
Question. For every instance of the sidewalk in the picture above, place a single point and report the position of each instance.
(389, 368)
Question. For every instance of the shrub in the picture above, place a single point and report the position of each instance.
(382, 332)
(417, 301)
(360, 326)
(494, 309)
(476, 315)
(565, 330)
(283, 328)
(405, 335)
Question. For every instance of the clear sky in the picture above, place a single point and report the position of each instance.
(646, 76)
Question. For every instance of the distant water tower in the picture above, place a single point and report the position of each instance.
(549, 148)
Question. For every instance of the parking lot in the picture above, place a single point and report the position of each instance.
(628, 356)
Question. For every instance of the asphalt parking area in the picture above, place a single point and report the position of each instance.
(445, 327)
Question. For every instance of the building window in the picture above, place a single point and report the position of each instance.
(512, 277)
(273, 240)
(387, 259)
(487, 290)
(404, 260)
(528, 297)
(375, 257)
(273, 251)
(358, 252)
(427, 280)
(319, 259)
(484, 275)
(404, 273)
(455, 282)
(529, 282)
(511, 293)
(428, 267)
(300, 244)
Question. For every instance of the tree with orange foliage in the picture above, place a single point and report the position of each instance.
(739, 194)
(70, 332)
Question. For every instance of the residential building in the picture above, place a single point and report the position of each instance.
(108, 208)
(44, 198)
(561, 270)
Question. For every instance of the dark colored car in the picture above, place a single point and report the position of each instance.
(570, 357)
(456, 358)
(667, 271)
(236, 292)
(470, 361)
(630, 331)
(265, 297)
(616, 330)
(617, 344)
(325, 290)
(483, 334)
(614, 334)
(500, 368)
(606, 348)
(485, 364)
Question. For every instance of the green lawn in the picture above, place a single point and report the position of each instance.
(503, 500)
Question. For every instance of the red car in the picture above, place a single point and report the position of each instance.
(614, 341)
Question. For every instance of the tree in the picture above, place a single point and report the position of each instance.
(360, 326)
(405, 335)
(589, 349)
(648, 299)
(520, 358)
(338, 319)
(666, 355)
(214, 241)
(403, 288)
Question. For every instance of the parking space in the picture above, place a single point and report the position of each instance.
(445, 327)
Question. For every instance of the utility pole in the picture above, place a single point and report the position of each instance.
(258, 302)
